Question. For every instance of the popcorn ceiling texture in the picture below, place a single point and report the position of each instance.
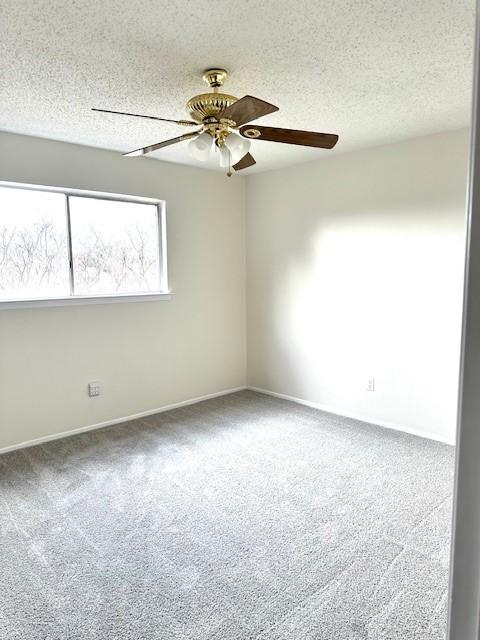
(375, 71)
(239, 518)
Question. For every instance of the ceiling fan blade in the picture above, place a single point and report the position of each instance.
(247, 161)
(290, 136)
(247, 109)
(160, 145)
(188, 123)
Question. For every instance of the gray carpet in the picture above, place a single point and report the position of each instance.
(243, 517)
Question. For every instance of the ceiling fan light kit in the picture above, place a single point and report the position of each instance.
(220, 116)
(201, 146)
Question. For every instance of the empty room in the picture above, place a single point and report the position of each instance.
(232, 257)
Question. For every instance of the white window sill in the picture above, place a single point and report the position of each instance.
(82, 300)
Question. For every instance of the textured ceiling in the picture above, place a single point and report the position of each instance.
(373, 71)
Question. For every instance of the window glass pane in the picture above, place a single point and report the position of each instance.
(33, 244)
(114, 246)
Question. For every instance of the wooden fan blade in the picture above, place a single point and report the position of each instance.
(159, 145)
(247, 109)
(188, 123)
(290, 136)
(247, 161)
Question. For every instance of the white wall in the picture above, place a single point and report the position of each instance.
(146, 354)
(355, 269)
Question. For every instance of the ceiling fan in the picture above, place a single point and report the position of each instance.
(219, 116)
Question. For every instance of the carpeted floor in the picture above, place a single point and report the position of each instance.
(240, 518)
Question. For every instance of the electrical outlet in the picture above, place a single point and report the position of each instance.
(93, 389)
(371, 384)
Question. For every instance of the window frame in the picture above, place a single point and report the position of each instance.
(163, 293)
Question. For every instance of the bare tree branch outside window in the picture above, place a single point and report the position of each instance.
(115, 246)
(33, 244)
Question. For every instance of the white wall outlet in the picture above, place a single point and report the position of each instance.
(93, 389)
(371, 384)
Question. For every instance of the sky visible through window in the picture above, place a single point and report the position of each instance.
(33, 244)
(115, 246)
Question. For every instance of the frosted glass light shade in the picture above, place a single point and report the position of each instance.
(237, 146)
(224, 156)
(201, 147)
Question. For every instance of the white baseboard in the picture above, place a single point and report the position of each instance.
(109, 423)
(387, 425)
(184, 403)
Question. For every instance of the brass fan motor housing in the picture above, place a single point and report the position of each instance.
(208, 105)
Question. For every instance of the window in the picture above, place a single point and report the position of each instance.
(62, 246)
